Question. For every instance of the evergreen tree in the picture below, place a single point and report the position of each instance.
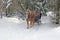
(21, 5)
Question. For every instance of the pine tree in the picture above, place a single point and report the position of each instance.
(21, 5)
(33, 4)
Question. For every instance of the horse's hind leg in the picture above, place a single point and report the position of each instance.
(39, 21)
(32, 22)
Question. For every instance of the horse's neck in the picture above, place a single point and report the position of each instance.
(28, 15)
(33, 13)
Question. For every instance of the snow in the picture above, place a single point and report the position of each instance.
(50, 13)
(8, 5)
(9, 1)
(14, 29)
(52, 16)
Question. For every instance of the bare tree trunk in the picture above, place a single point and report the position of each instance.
(57, 14)
(1, 14)
(57, 17)
(1, 6)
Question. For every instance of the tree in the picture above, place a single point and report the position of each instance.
(33, 4)
(57, 14)
(57, 11)
(1, 8)
(21, 5)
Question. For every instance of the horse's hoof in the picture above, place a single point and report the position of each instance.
(38, 23)
(27, 27)
(31, 26)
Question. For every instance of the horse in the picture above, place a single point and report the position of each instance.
(30, 19)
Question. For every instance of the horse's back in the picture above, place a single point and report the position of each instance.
(37, 17)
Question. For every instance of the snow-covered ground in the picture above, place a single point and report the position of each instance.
(14, 29)
(52, 16)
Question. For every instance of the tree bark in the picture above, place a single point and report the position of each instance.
(57, 14)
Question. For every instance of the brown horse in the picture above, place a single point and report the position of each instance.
(30, 18)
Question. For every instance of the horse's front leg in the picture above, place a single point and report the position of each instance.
(33, 21)
(27, 24)
(30, 23)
